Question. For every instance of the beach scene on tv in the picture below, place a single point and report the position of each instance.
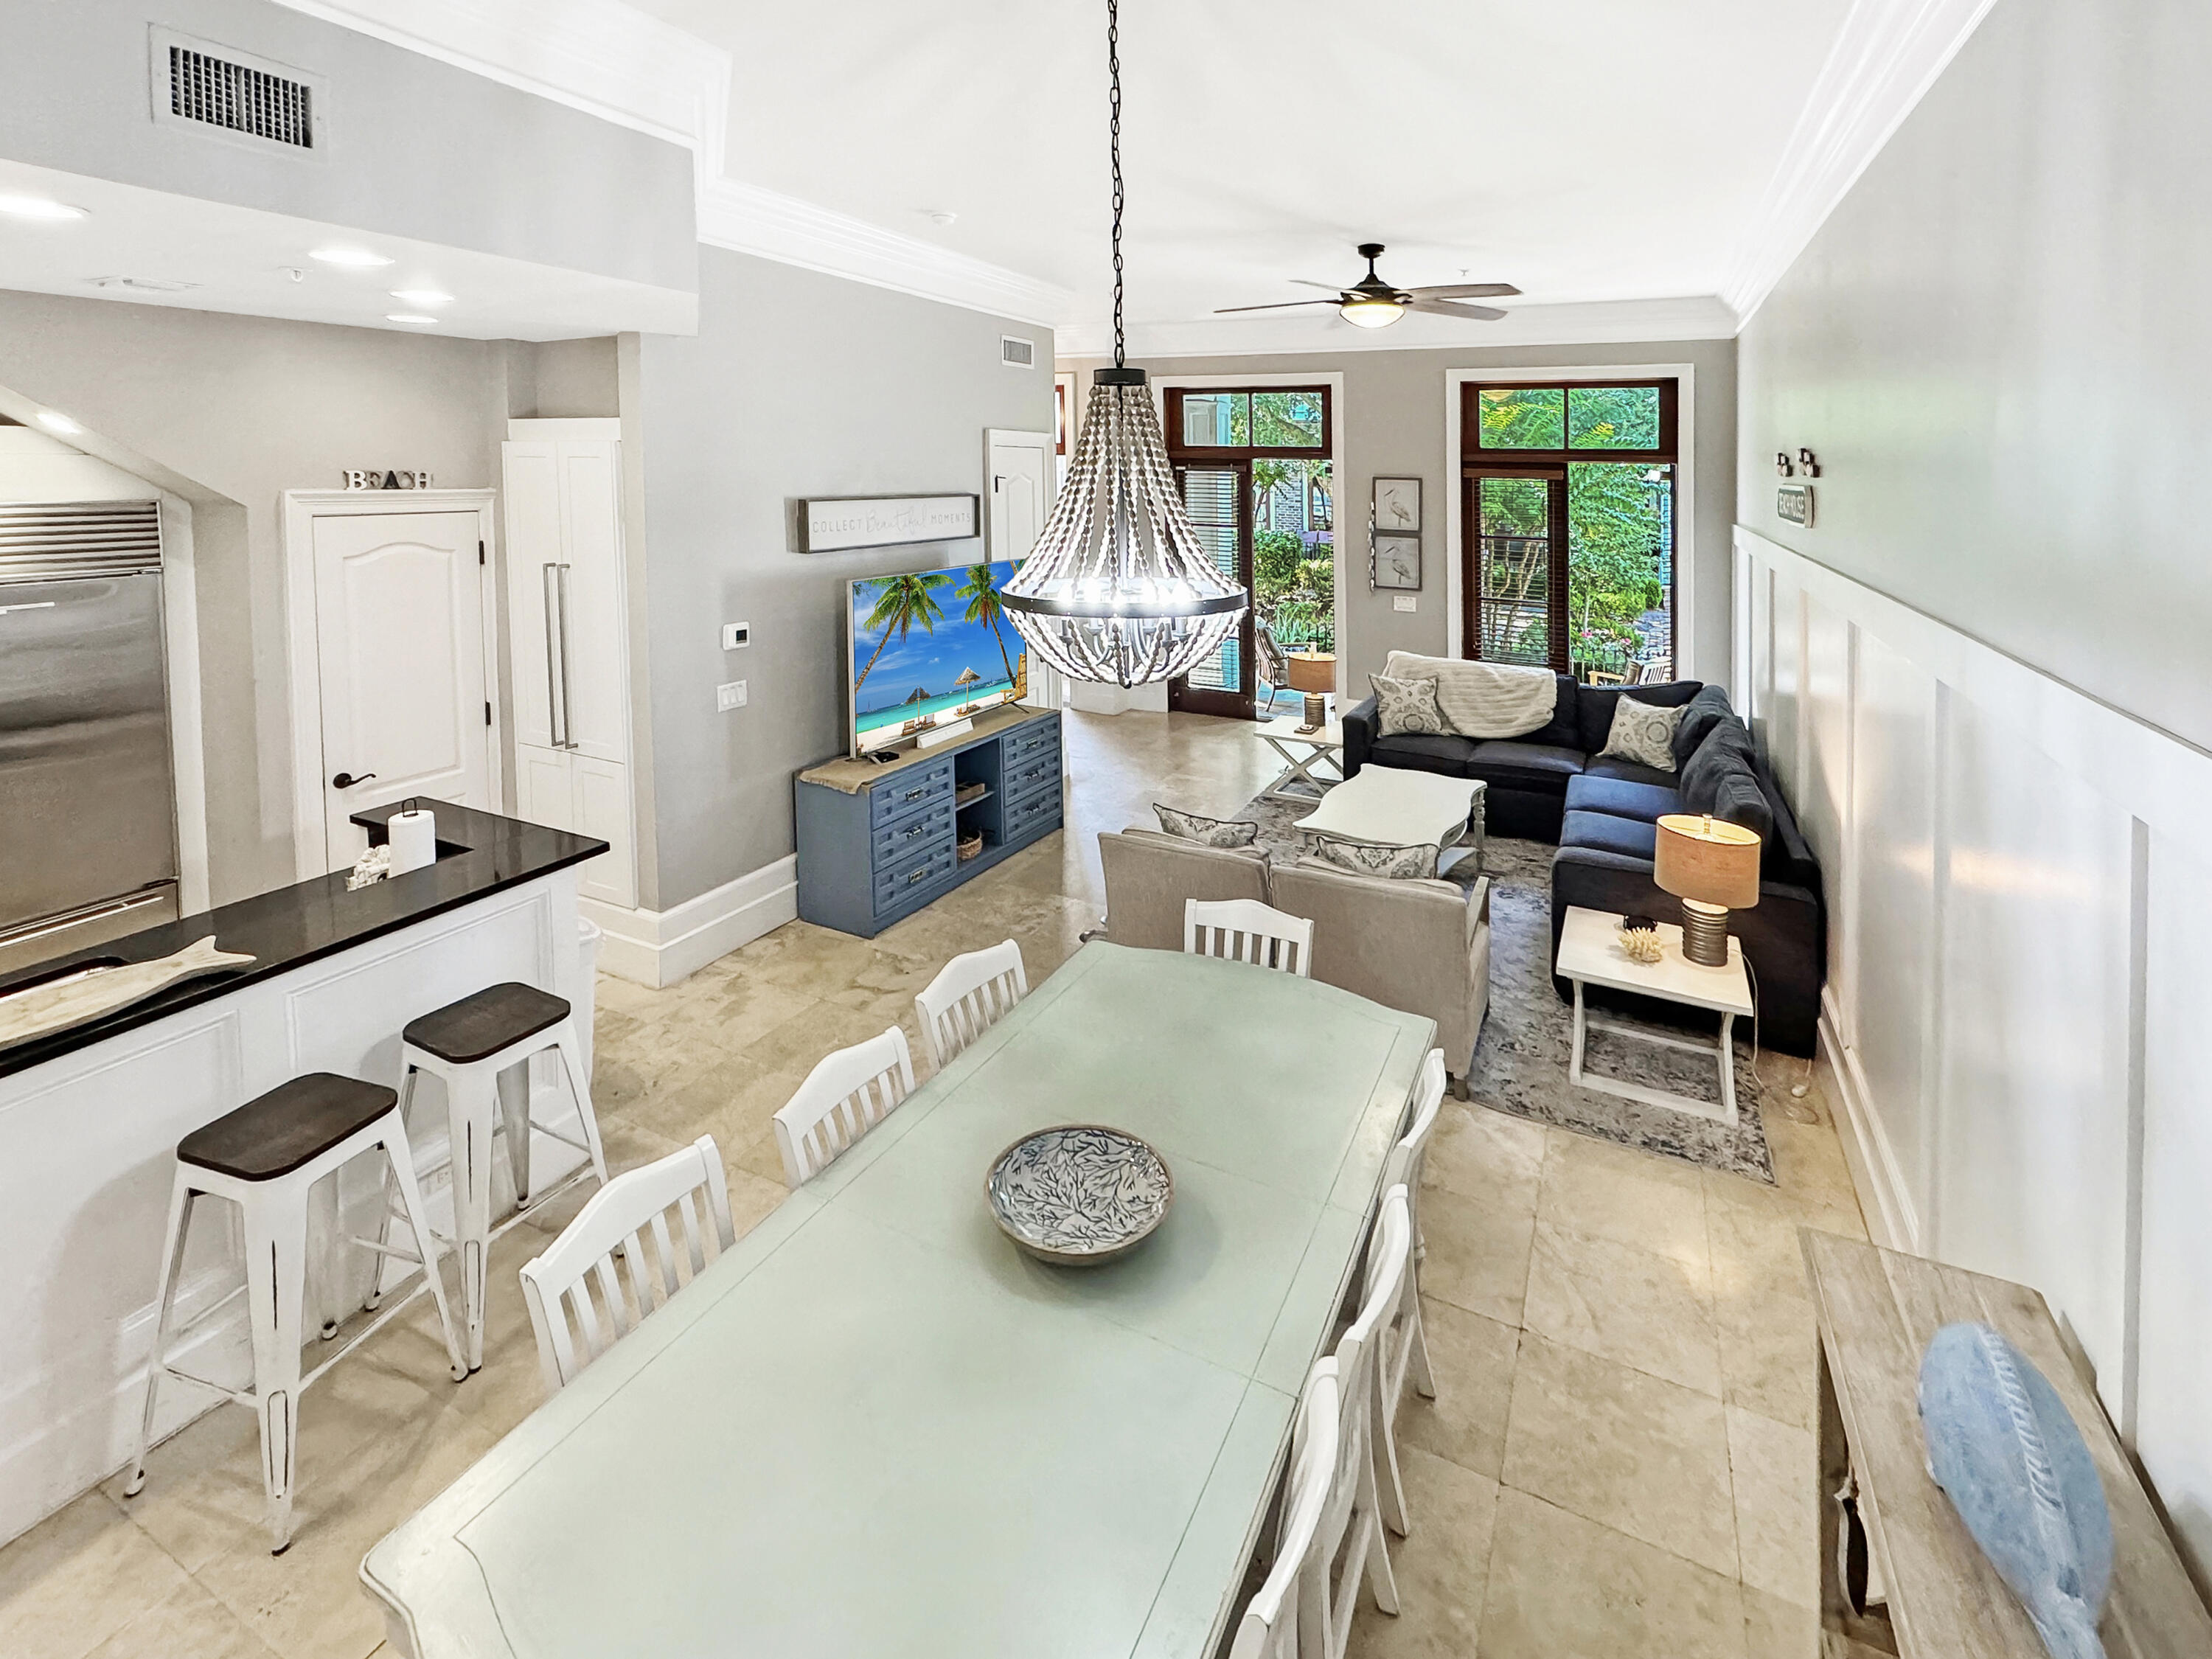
(929, 649)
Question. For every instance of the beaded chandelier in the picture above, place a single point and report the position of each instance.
(1118, 588)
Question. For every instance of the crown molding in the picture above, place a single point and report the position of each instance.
(1587, 323)
(747, 219)
(615, 62)
(1886, 56)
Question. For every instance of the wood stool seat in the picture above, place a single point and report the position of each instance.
(295, 1122)
(481, 1024)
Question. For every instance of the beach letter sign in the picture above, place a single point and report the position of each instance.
(832, 527)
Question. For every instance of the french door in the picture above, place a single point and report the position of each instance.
(1514, 567)
(1218, 496)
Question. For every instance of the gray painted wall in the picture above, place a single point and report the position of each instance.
(229, 412)
(797, 384)
(1393, 416)
(1996, 345)
(543, 182)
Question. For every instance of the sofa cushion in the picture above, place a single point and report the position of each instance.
(1445, 752)
(1629, 771)
(1621, 797)
(1727, 749)
(1627, 837)
(1529, 765)
(1565, 730)
(1207, 832)
(1739, 800)
(1699, 715)
(1593, 707)
(1786, 857)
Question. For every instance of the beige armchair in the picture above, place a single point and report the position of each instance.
(1419, 946)
(1148, 875)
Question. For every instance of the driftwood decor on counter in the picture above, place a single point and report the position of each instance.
(74, 999)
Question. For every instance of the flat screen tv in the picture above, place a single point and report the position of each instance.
(928, 649)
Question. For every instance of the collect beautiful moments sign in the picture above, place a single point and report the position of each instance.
(832, 525)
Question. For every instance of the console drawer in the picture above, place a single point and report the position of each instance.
(910, 791)
(1032, 813)
(907, 839)
(1024, 744)
(1026, 777)
(914, 875)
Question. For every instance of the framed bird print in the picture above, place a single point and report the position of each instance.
(1397, 560)
(1398, 504)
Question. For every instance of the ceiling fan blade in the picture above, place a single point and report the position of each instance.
(1464, 291)
(1448, 308)
(1281, 305)
(1333, 288)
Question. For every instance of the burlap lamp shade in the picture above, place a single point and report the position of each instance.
(1313, 670)
(1713, 866)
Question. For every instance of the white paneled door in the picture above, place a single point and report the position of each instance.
(400, 646)
(1021, 470)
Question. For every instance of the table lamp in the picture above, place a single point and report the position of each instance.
(1713, 866)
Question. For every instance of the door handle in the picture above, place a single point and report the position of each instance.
(347, 780)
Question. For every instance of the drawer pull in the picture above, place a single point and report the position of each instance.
(917, 875)
(915, 794)
(916, 829)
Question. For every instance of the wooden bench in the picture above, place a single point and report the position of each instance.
(1877, 1311)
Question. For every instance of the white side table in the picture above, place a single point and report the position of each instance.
(1591, 955)
(1324, 747)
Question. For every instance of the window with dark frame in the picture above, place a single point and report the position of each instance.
(1568, 525)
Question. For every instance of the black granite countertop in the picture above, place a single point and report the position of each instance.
(479, 854)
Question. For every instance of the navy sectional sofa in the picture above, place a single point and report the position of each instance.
(1552, 785)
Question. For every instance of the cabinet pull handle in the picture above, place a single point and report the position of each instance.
(915, 794)
(917, 875)
(916, 830)
(556, 693)
(568, 718)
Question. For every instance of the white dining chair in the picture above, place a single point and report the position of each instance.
(844, 1097)
(969, 995)
(1245, 930)
(1351, 1533)
(574, 1281)
(1403, 1340)
(1295, 1588)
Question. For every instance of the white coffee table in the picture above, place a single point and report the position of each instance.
(1323, 746)
(1591, 955)
(1392, 807)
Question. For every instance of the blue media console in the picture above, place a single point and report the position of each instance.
(876, 843)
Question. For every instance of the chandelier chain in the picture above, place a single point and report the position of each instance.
(1113, 128)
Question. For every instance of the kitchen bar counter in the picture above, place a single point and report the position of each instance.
(90, 1119)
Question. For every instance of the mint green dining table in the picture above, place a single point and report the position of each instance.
(875, 1428)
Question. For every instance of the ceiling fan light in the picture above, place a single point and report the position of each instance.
(1370, 313)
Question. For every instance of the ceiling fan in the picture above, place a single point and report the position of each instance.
(1373, 303)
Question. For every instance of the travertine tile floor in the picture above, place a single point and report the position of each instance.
(1620, 1461)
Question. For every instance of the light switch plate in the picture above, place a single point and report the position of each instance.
(729, 697)
(736, 635)
(1402, 602)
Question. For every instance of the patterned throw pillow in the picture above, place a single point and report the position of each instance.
(1207, 832)
(1642, 733)
(1407, 706)
(1363, 857)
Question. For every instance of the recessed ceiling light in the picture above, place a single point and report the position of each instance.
(353, 259)
(38, 207)
(414, 318)
(421, 296)
(60, 423)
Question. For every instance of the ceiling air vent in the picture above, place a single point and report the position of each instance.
(1016, 352)
(210, 87)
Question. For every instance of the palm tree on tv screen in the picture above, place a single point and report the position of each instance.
(905, 601)
(982, 593)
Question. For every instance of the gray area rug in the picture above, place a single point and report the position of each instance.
(1521, 1062)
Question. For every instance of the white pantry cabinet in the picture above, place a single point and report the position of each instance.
(568, 640)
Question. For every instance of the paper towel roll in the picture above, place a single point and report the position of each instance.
(414, 840)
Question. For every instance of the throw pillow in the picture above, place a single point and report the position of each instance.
(1727, 748)
(1207, 832)
(1362, 858)
(1704, 711)
(1642, 733)
(1407, 706)
(1739, 800)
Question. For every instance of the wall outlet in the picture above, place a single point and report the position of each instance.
(729, 697)
(1403, 602)
(736, 635)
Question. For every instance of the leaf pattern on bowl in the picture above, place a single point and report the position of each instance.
(1079, 1192)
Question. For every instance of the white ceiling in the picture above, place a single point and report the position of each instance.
(1604, 151)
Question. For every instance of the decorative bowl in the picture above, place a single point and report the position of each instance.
(1078, 1194)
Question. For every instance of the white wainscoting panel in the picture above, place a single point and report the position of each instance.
(2019, 882)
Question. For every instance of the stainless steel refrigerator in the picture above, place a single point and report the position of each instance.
(88, 796)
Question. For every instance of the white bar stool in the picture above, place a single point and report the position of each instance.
(264, 1157)
(480, 1049)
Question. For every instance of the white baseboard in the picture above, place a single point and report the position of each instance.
(659, 947)
(1890, 1218)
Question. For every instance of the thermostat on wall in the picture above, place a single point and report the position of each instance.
(735, 635)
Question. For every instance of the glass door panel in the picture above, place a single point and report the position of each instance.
(1214, 496)
(1515, 523)
(1620, 563)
